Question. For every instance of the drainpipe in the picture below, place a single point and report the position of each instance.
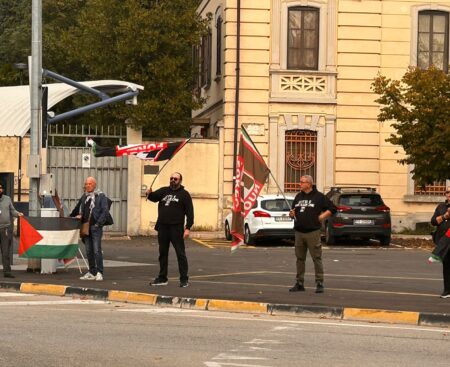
(19, 171)
(236, 98)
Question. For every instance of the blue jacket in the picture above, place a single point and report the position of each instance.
(98, 214)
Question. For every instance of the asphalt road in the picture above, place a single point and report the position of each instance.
(54, 331)
(357, 275)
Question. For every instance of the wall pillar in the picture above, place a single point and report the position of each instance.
(134, 184)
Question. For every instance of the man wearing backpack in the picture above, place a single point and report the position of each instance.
(93, 208)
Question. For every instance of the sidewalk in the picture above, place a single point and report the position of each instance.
(361, 283)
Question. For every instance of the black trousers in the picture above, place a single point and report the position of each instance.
(172, 233)
(446, 272)
(5, 246)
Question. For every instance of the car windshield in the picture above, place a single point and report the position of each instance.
(276, 205)
(360, 200)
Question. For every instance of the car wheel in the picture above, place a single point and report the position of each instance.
(228, 235)
(248, 239)
(385, 241)
(329, 238)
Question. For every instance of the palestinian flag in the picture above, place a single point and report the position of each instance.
(152, 151)
(49, 238)
(442, 248)
(250, 177)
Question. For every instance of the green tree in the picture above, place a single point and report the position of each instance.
(148, 42)
(418, 106)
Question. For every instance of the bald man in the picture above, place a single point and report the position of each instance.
(93, 208)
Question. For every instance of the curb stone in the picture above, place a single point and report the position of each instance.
(322, 312)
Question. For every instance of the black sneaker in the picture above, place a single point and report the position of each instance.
(184, 284)
(298, 287)
(159, 281)
(8, 275)
(319, 287)
(445, 294)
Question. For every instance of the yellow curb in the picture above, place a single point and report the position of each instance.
(201, 304)
(239, 306)
(132, 297)
(50, 289)
(402, 317)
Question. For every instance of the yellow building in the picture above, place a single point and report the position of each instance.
(303, 71)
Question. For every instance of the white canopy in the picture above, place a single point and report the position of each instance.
(15, 102)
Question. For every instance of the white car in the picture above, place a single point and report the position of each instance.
(269, 218)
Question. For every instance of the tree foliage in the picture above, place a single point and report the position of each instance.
(147, 42)
(418, 106)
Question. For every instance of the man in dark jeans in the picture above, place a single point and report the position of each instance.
(93, 208)
(441, 219)
(174, 205)
(6, 212)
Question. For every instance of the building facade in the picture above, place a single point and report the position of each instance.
(303, 90)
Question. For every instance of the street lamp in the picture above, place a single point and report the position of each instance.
(21, 66)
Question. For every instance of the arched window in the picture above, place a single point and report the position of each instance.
(301, 157)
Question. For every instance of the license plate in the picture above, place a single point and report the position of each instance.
(363, 221)
(284, 218)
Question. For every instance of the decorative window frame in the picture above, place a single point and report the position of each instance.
(323, 124)
(218, 21)
(327, 32)
(415, 10)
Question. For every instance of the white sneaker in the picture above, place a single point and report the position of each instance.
(87, 276)
(99, 277)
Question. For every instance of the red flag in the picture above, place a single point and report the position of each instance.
(155, 152)
(250, 177)
(28, 236)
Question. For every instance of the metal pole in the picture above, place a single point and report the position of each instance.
(34, 167)
(35, 91)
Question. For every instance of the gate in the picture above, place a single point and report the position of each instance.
(71, 165)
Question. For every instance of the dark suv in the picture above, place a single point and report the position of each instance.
(361, 213)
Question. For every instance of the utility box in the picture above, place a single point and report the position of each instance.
(34, 166)
(47, 185)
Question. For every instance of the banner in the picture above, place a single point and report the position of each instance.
(250, 177)
(155, 152)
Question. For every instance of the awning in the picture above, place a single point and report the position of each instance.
(15, 102)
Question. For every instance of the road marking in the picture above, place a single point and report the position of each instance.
(45, 303)
(433, 295)
(202, 243)
(159, 310)
(277, 320)
(352, 276)
(10, 294)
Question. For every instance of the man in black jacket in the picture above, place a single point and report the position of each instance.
(309, 209)
(174, 205)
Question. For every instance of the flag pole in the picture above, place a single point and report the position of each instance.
(187, 141)
(270, 172)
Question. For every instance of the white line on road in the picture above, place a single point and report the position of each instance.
(11, 294)
(41, 303)
(207, 314)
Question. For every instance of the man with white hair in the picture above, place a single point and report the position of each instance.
(309, 209)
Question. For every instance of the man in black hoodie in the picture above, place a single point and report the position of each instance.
(309, 209)
(174, 204)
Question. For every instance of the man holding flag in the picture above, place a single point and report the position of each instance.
(250, 176)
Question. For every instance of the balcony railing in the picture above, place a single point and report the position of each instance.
(303, 86)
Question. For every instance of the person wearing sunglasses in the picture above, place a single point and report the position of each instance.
(441, 219)
(7, 211)
(175, 219)
(309, 209)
